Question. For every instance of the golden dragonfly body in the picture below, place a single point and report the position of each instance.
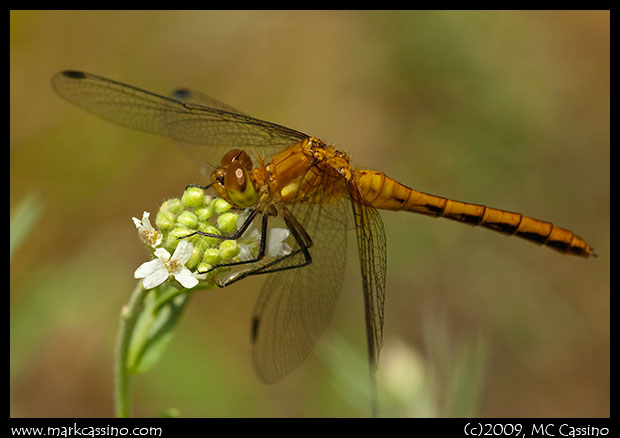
(311, 171)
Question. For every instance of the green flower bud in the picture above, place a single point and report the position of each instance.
(220, 206)
(187, 219)
(211, 256)
(228, 250)
(177, 219)
(227, 222)
(164, 220)
(173, 206)
(174, 236)
(199, 242)
(204, 213)
(203, 267)
(193, 197)
(197, 254)
(208, 228)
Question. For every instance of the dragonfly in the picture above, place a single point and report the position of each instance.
(311, 186)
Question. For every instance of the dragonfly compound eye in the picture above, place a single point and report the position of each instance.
(239, 185)
(237, 155)
(229, 157)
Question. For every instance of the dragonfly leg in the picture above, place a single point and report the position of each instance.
(303, 241)
(199, 186)
(235, 236)
(261, 249)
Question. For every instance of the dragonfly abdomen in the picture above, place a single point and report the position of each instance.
(383, 192)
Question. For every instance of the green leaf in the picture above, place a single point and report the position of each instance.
(154, 328)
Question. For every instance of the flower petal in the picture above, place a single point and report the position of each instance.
(162, 254)
(148, 268)
(183, 252)
(146, 223)
(155, 279)
(155, 239)
(186, 278)
(245, 252)
(276, 242)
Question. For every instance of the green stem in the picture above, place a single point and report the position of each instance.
(129, 315)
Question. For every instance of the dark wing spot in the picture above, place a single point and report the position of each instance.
(255, 321)
(181, 93)
(74, 74)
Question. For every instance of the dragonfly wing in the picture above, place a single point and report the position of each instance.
(294, 305)
(372, 253)
(188, 95)
(192, 124)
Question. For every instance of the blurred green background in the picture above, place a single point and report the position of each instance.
(510, 109)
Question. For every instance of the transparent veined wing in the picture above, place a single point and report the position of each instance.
(207, 132)
(295, 305)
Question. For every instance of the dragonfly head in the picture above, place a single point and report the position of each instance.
(232, 180)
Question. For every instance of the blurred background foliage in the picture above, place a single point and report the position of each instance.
(505, 108)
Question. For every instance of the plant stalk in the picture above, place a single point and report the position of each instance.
(129, 316)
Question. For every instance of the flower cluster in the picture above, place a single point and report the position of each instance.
(195, 255)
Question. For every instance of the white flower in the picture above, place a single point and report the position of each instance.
(199, 276)
(163, 267)
(149, 235)
(276, 242)
(250, 241)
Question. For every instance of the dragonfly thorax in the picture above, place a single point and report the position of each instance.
(308, 171)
